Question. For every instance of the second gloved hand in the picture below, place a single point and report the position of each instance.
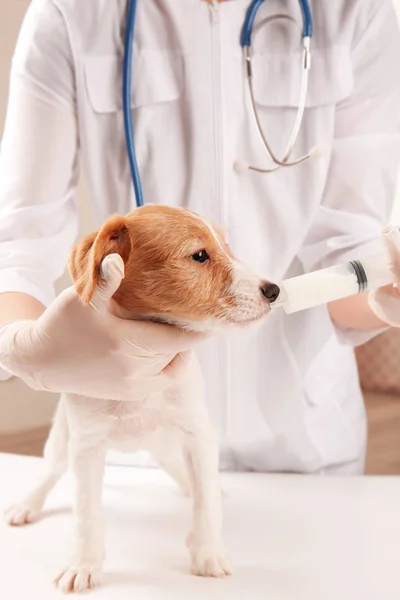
(385, 302)
(86, 350)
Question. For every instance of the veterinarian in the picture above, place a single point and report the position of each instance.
(287, 397)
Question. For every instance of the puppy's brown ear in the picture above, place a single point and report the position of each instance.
(86, 257)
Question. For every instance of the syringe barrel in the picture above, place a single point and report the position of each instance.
(326, 285)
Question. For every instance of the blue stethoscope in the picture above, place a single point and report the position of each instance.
(245, 42)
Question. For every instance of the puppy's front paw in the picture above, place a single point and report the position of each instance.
(210, 561)
(78, 579)
(21, 514)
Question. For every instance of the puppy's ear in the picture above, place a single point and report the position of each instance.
(86, 257)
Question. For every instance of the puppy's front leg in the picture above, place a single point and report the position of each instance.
(205, 541)
(85, 568)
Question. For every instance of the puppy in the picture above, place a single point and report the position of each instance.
(178, 270)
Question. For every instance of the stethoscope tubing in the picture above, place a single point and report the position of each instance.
(245, 42)
(126, 95)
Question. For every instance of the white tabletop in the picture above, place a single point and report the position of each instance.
(289, 537)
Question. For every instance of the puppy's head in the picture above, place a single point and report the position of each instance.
(178, 269)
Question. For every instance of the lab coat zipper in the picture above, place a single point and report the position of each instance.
(219, 192)
(217, 122)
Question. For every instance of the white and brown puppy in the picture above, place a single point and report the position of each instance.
(177, 269)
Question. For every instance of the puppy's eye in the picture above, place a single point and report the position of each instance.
(200, 257)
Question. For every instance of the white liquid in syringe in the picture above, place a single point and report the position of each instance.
(326, 285)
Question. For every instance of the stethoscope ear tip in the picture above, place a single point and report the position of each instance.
(241, 166)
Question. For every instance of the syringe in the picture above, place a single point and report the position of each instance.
(333, 283)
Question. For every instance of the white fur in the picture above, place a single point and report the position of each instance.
(175, 428)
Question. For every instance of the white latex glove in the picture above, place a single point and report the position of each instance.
(88, 351)
(383, 302)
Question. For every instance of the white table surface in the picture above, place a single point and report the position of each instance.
(289, 537)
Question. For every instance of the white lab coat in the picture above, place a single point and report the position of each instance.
(284, 396)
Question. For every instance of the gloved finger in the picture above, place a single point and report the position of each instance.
(157, 384)
(391, 244)
(178, 365)
(112, 271)
(174, 371)
(157, 338)
(385, 307)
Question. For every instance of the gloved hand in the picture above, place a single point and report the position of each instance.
(86, 350)
(385, 302)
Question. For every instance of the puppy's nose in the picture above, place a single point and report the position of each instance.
(270, 291)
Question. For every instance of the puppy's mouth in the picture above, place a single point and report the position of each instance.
(242, 315)
(247, 310)
(235, 317)
(245, 321)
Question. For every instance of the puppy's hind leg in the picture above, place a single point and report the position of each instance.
(177, 470)
(168, 453)
(56, 461)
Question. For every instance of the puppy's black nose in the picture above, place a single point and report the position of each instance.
(270, 291)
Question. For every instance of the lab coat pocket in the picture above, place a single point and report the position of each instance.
(157, 77)
(277, 78)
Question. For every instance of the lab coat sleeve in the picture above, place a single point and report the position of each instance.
(362, 178)
(39, 158)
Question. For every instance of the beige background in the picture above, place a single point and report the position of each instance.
(20, 407)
